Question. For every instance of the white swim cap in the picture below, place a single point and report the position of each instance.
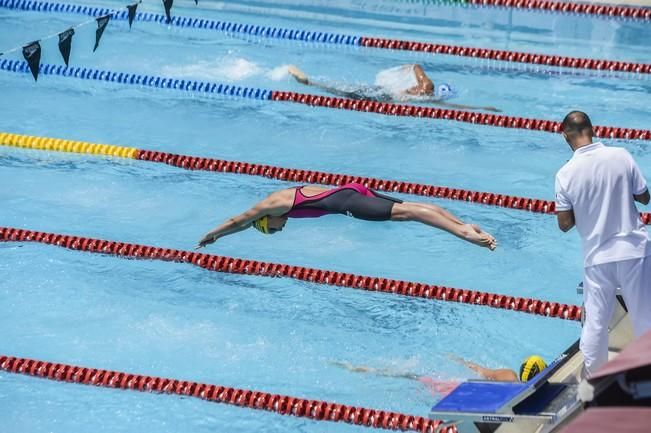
(444, 91)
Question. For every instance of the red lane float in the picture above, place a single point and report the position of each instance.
(285, 174)
(282, 404)
(319, 276)
(324, 178)
(569, 7)
(499, 120)
(298, 175)
(508, 56)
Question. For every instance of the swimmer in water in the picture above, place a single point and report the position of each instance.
(529, 368)
(397, 84)
(270, 215)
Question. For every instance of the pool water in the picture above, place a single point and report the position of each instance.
(281, 335)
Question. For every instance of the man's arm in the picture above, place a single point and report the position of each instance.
(565, 219)
(638, 182)
(564, 207)
(642, 198)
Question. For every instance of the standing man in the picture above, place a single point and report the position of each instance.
(596, 190)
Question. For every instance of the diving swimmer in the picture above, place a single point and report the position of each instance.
(310, 201)
(397, 84)
(529, 368)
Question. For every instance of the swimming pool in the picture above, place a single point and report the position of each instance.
(281, 335)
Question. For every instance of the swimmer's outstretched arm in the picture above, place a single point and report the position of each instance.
(499, 374)
(231, 226)
(272, 205)
(465, 107)
(377, 371)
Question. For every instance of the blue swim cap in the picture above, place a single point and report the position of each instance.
(444, 91)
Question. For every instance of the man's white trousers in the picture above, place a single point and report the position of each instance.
(600, 283)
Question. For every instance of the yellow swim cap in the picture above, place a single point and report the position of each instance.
(531, 367)
(262, 224)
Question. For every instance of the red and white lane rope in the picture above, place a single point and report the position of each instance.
(310, 176)
(317, 410)
(497, 120)
(318, 276)
(508, 56)
(604, 10)
(281, 173)
(325, 178)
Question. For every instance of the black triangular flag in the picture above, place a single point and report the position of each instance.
(102, 22)
(168, 8)
(65, 39)
(132, 12)
(32, 53)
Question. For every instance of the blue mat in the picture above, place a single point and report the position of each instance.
(483, 397)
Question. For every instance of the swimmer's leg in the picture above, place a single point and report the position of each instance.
(358, 94)
(435, 216)
(298, 75)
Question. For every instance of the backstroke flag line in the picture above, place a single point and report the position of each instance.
(32, 53)
(102, 22)
(65, 39)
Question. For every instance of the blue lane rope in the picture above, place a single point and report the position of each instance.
(222, 26)
(21, 66)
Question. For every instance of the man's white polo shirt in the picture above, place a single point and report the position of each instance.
(598, 184)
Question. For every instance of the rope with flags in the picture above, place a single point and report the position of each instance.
(32, 50)
(548, 60)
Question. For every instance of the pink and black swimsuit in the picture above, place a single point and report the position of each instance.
(352, 199)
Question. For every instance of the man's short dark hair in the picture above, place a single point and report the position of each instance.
(577, 123)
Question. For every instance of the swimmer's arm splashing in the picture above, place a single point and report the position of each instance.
(424, 86)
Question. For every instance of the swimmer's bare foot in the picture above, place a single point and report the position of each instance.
(297, 74)
(472, 233)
